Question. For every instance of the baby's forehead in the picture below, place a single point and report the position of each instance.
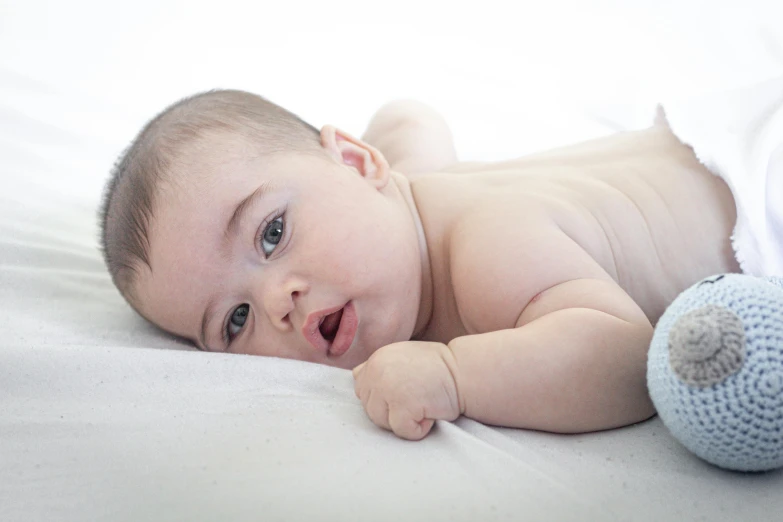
(206, 161)
(218, 172)
(215, 148)
(227, 162)
(210, 147)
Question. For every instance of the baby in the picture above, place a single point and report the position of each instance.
(521, 293)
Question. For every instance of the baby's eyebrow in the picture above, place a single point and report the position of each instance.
(244, 206)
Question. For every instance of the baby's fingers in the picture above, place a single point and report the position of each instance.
(408, 426)
(362, 384)
(378, 410)
(357, 381)
(358, 369)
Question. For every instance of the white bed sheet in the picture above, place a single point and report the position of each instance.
(104, 418)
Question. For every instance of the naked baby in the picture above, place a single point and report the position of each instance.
(519, 294)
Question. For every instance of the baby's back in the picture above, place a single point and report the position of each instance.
(638, 203)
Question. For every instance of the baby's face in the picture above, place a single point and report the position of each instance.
(295, 256)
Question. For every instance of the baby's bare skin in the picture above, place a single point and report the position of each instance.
(549, 272)
(521, 293)
(639, 204)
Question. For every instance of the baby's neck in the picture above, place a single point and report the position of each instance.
(425, 306)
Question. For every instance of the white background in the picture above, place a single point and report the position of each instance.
(511, 77)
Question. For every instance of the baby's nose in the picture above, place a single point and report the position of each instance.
(280, 300)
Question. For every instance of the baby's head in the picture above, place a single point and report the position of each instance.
(231, 222)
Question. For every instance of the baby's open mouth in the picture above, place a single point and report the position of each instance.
(331, 324)
(333, 333)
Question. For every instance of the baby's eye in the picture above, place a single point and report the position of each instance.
(237, 321)
(271, 236)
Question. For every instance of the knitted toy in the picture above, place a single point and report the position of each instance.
(715, 371)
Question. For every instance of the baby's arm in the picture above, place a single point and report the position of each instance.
(575, 363)
(413, 137)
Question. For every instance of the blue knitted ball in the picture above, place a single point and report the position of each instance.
(715, 371)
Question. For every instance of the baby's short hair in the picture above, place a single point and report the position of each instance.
(129, 196)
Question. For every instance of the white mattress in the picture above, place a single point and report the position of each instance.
(104, 418)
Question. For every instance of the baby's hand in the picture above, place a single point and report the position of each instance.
(405, 387)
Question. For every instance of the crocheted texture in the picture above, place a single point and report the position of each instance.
(706, 345)
(731, 417)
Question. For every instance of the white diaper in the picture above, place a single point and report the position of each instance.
(738, 135)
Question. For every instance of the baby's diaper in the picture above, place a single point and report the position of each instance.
(738, 135)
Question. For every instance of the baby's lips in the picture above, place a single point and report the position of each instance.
(311, 332)
(346, 333)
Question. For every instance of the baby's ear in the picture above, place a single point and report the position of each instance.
(353, 152)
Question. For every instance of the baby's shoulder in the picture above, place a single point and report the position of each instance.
(500, 259)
